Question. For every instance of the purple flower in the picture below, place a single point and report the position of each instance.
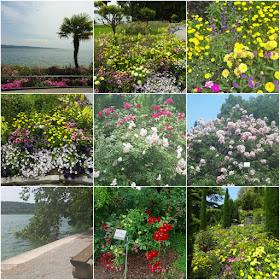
(276, 82)
(215, 88)
(255, 52)
(243, 76)
(235, 85)
(66, 175)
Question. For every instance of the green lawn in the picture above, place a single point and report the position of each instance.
(101, 29)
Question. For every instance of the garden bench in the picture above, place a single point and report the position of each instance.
(81, 269)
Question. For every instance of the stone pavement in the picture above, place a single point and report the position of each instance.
(181, 33)
(51, 261)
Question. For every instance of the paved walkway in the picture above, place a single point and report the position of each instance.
(52, 90)
(51, 261)
(181, 33)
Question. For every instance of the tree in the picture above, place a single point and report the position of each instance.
(147, 14)
(51, 204)
(80, 28)
(111, 15)
(203, 210)
(272, 210)
(190, 237)
(226, 214)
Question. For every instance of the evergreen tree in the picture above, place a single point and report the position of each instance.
(203, 210)
(272, 210)
(190, 238)
(226, 214)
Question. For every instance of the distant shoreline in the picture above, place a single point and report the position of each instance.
(26, 47)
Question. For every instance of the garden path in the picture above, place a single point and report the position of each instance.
(54, 90)
(181, 33)
(51, 261)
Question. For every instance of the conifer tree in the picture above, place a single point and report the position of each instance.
(190, 238)
(203, 210)
(226, 214)
(272, 210)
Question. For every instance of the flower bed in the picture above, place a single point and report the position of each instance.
(217, 151)
(236, 253)
(145, 149)
(55, 141)
(38, 77)
(140, 63)
(235, 49)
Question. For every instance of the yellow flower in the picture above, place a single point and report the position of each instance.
(207, 76)
(229, 64)
(242, 68)
(195, 268)
(212, 59)
(225, 73)
(111, 247)
(207, 47)
(276, 75)
(190, 70)
(259, 91)
(269, 87)
(139, 232)
(250, 277)
(241, 274)
(97, 83)
(274, 55)
(130, 221)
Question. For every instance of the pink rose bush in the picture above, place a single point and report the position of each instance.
(136, 148)
(218, 149)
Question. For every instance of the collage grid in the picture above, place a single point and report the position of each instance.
(161, 104)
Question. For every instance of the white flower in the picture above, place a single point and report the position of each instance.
(127, 147)
(159, 177)
(114, 182)
(143, 132)
(179, 151)
(120, 159)
(144, 152)
(165, 142)
(131, 125)
(122, 169)
(133, 184)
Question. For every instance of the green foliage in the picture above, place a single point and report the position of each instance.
(147, 14)
(213, 216)
(51, 204)
(251, 200)
(178, 243)
(13, 207)
(258, 215)
(261, 106)
(190, 235)
(226, 213)
(203, 210)
(174, 18)
(206, 240)
(100, 30)
(272, 210)
(111, 15)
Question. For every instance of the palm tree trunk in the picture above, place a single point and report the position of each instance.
(76, 49)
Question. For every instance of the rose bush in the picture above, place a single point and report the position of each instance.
(145, 149)
(147, 229)
(217, 150)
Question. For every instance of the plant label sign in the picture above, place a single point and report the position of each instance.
(120, 234)
(247, 164)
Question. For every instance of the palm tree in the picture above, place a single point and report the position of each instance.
(80, 28)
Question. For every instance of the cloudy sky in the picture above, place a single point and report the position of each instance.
(36, 23)
(13, 194)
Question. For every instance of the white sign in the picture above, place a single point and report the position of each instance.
(120, 234)
(247, 164)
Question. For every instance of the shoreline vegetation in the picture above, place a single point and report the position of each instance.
(17, 208)
(17, 76)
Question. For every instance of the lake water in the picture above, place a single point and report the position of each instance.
(44, 57)
(12, 246)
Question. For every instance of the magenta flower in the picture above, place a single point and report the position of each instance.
(197, 89)
(235, 85)
(215, 88)
(209, 84)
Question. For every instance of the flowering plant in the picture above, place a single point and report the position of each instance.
(146, 149)
(224, 146)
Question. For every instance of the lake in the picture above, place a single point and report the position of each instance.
(12, 246)
(44, 57)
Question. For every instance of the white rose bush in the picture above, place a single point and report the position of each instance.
(136, 148)
(218, 149)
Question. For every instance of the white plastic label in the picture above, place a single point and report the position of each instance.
(120, 234)
(247, 164)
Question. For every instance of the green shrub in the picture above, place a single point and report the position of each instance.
(272, 210)
(213, 216)
(206, 240)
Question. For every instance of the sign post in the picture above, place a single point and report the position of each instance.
(121, 235)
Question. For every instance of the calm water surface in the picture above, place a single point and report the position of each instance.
(44, 57)
(12, 246)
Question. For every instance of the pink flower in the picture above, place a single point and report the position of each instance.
(267, 180)
(170, 100)
(138, 105)
(263, 161)
(197, 89)
(209, 84)
(215, 88)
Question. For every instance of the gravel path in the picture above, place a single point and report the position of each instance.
(52, 90)
(181, 33)
(53, 264)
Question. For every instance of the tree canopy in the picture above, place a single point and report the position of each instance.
(52, 204)
(260, 106)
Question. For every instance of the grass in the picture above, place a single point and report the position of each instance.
(178, 243)
(101, 30)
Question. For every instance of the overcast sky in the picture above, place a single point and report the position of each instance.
(12, 194)
(36, 23)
